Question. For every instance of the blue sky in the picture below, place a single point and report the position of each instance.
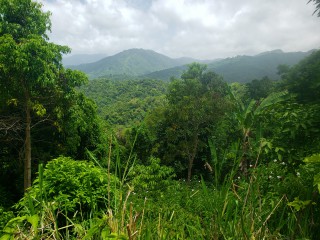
(202, 29)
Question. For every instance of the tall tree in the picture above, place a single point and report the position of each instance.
(259, 89)
(196, 102)
(303, 79)
(32, 77)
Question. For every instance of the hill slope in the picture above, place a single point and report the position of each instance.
(242, 68)
(132, 62)
(125, 102)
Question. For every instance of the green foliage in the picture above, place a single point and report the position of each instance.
(125, 102)
(29, 65)
(196, 103)
(236, 209)
(22, 18)
(151, 178)
(40, 108)
(246, 68)
(295, 132)
(132, 62)
(72, 186)
(248, 123)
(259, 89)
(79, 127)
(257, 126)
(304, 79)
(241, 69)
(313, 164)
(298, 204)
(5, 217)
(240, 91)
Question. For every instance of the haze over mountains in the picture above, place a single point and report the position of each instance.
(132, 62)
(150, 64)
(82, 59)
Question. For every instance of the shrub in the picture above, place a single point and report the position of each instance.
(152, 179)
(72, 186)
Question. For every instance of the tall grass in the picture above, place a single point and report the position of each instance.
(231, 207)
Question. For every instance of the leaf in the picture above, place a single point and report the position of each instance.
(6, 237)
(272, 99)
(317, 181)
(39, 109)
(315, 158)
(13, 102)
(16, 219)
(34, 220)
(298, 204)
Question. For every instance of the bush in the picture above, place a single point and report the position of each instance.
(151, 180)
(73, 186)
(5, 216)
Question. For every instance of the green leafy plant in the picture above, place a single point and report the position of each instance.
(313, 163)
(151, 179)
(5, 216)
(70, 189)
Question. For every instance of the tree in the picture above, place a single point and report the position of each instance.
(22, 18)
(240, 91)
(317, 3)
(260, 88)
(247, 117)
(297, 120)
(195, 103)
(32, 77)
(303, 79)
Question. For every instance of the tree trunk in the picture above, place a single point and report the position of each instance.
(192, 157)
(190, 168)
(27, 160)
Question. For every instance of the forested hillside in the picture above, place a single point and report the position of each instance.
(149, 64)
(125, 102)
(132, 62)
(242, 69)
(193, 158)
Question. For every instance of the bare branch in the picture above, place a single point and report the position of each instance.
(10, 124)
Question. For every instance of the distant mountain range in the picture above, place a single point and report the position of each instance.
(132, 62)
(149, 64)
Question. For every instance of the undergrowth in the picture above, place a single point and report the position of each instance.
(82, 200)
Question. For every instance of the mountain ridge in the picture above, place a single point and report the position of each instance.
(242, 68)
(144, 63)
(134, 62)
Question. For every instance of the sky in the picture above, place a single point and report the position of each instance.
(201, 29)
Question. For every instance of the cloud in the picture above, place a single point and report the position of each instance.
(196, 28)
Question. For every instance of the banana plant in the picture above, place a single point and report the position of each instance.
(246, 116)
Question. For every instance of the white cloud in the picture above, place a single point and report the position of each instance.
(197, 28)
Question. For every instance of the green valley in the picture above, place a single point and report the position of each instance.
(139, 145)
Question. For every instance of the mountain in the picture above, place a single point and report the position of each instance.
(78, 59)
(247, 68)
(242, 68)
(149, 64)
(132, 62)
